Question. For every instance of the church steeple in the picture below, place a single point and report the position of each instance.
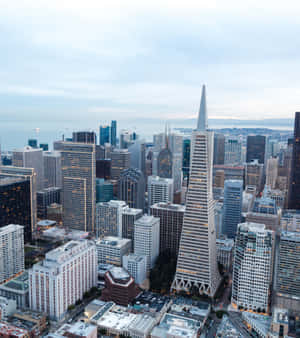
(202, 117)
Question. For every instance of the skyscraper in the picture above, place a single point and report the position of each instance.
(131, 188)
(120, 160)
(254, 174)
(146, 239)
(52, 169)
(104, 135)
(171, 221)
(18, 198)
(79, 183)
(160, 190)
(84, 137)
(233, 200)
(33, 143)
(288, 271)
(11, 251)
(252, 267)
(233, 151)
(272, 172)
(219, 148)
(256, 147)
(294, 189)
(29, 157)
(186, 158)
(129, 216)
(113, 133)
(197, 259)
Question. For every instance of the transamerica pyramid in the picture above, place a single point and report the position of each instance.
(197, 260)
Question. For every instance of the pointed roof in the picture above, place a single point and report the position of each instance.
(202, 117)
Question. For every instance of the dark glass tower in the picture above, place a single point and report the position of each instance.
(186, 153)
(104, 135)
(33, 143)
(294, 193)
(256, 146)
(219, 148)
(113, 133)
(84, 137)
(15, 203)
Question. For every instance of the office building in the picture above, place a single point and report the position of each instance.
(230, 172)
(18, 198)
(129, 216)
(131, 188)
(119, 287)
(218, 212)
(109, 218)
(233, 151)
(197, 258)
(104, 135)
(160, 190)
(288, 271)
(46, 197)
(219, 149)
(233, 201)
(79, 185)
(33, 143)
(171, 221)
(44, 146)
(103, 168)
(225, 252)
(252, 267)
(113, 133)
(254, 175)
(186, 154)
(146, 239)
(84, 137)
(120, 160)
(62, 278)
(272, 172)
(136, 265)
(29, 157)
(110, 250)
(104, 190)
(265, 211)
(294, 188)
(17, 289)
(256, 147)
(52, 169)
(219, 179)
(11, 251)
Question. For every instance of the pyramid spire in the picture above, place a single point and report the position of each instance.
(202, 117)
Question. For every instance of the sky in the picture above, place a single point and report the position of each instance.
(64, 59)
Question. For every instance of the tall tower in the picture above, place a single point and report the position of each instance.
(197, 259)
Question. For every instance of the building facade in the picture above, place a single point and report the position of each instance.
(136, 265)
(46, 197)
(129, 216)
(256, 148)
(160, 190)
(120, 160)
(110, 250)
(62, 278)
(52, 169)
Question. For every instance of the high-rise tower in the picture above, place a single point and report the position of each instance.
(197, 259)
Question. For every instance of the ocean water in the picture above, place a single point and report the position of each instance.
(15, 134)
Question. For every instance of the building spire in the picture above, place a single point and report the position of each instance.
(202, 117)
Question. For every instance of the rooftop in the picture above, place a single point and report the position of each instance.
(79, 329)
(146, 220)
(290, 236)
(112, 241)
(9, 228)
(10, 330)
(119, 273)
(262, 323)
(227, 329)
(46, 223)
(131, 211)
(169, 206)
(4, 180)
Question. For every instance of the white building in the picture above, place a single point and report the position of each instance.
(146, 239)
(136, 265)
(29, 157)
(252, 267)
(111, 249)
(11, 251)
(160, 190)
(7, 307)
(62, 278)
(272, 172)
(109, 218)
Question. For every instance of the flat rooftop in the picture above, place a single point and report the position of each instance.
(112, 241)
(169, 206)
(4, 180)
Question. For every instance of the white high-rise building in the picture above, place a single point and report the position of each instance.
(252, 267)
(11, 251)
(29, 157)
(52, 169)
(110, 250)
(272, 172)
(146, 239)
(109, 218)
(136, 265)
(233, 151)
(197, 260)
(62, 278)
(160, 190)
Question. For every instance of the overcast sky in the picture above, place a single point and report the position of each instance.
(112, 59)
